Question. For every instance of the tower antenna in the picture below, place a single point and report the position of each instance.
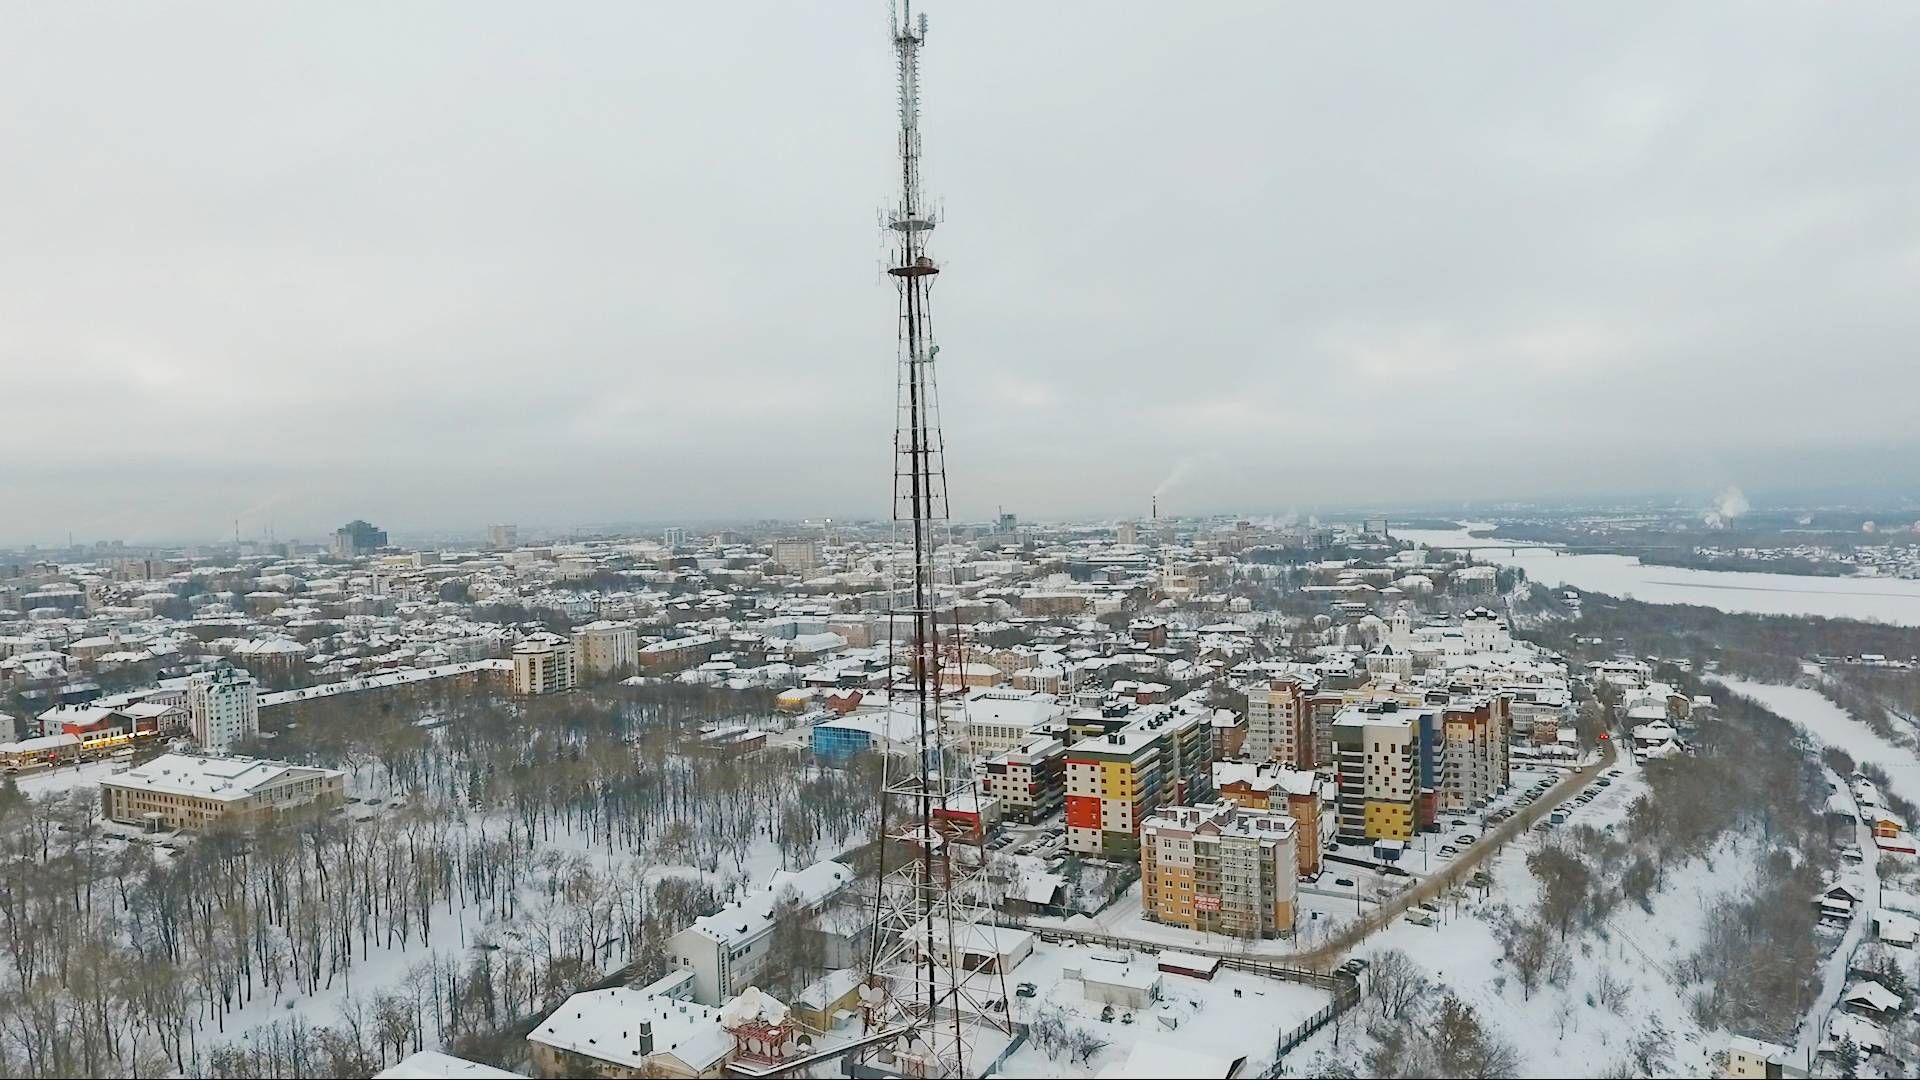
(927, 924)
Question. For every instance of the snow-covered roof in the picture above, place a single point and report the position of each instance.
(1151, 1060)
(433, 1065)
(605, 1024)
(221, 778)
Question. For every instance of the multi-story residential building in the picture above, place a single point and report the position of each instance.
(1384, 765)
(1279, 724)
(606, 648)
(1030, 782)
(544, 664)
(223, 707)
(1473, 756)
(674, 654)
(1268, 785)
(1117, 780)
(1220, 868)
(503, 537)
(181, 791)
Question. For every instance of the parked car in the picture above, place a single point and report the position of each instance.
(1449, 849)
(1344, 881)
(1464, 839)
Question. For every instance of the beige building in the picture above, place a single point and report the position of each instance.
(1473, 755)
(605, 648)
(181, 791)
(1279, 727)
(1220, 868)
(544, 664)
(798, 556)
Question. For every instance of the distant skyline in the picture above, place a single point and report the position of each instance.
(437, 266)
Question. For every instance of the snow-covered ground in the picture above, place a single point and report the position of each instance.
(383, 969)
(1234, 1014)
(1634, 958)
(1833, 726)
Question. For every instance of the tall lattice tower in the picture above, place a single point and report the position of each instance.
(932, 934)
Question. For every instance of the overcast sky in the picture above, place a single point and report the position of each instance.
(443, 264)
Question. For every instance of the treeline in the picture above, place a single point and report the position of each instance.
(1701, 634)
(516, 853)
(1752, 779)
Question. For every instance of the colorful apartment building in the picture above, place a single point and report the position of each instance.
(1117, 780)
(1220, 868)
(1030, 782)
(1267, 785)
(1386, 770)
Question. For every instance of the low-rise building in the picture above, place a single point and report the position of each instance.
(625, 1033)
(727, 950)
(183, 791)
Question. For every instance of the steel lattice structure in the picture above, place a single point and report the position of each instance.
(928, 918)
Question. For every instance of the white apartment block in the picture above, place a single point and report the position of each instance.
(600, 648)
(544, 664)
(223, 707)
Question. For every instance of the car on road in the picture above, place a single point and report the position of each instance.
(1459, 823)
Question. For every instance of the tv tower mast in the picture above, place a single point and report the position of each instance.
(928, 921)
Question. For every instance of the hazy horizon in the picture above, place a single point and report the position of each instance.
(435, 267)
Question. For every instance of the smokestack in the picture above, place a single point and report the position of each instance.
(1156, 506)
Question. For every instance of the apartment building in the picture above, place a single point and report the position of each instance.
(223, 707)
(1030, 782)
(1268, 785)
(182, 791)
(1279, 724)
(544, 664)
(1473, 755)
(1220, 868)
(1117, 780)
(604, 648)
(1385, 769)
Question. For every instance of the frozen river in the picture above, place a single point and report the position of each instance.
(1888, 600)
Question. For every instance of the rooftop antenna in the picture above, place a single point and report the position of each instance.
(926, 922)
